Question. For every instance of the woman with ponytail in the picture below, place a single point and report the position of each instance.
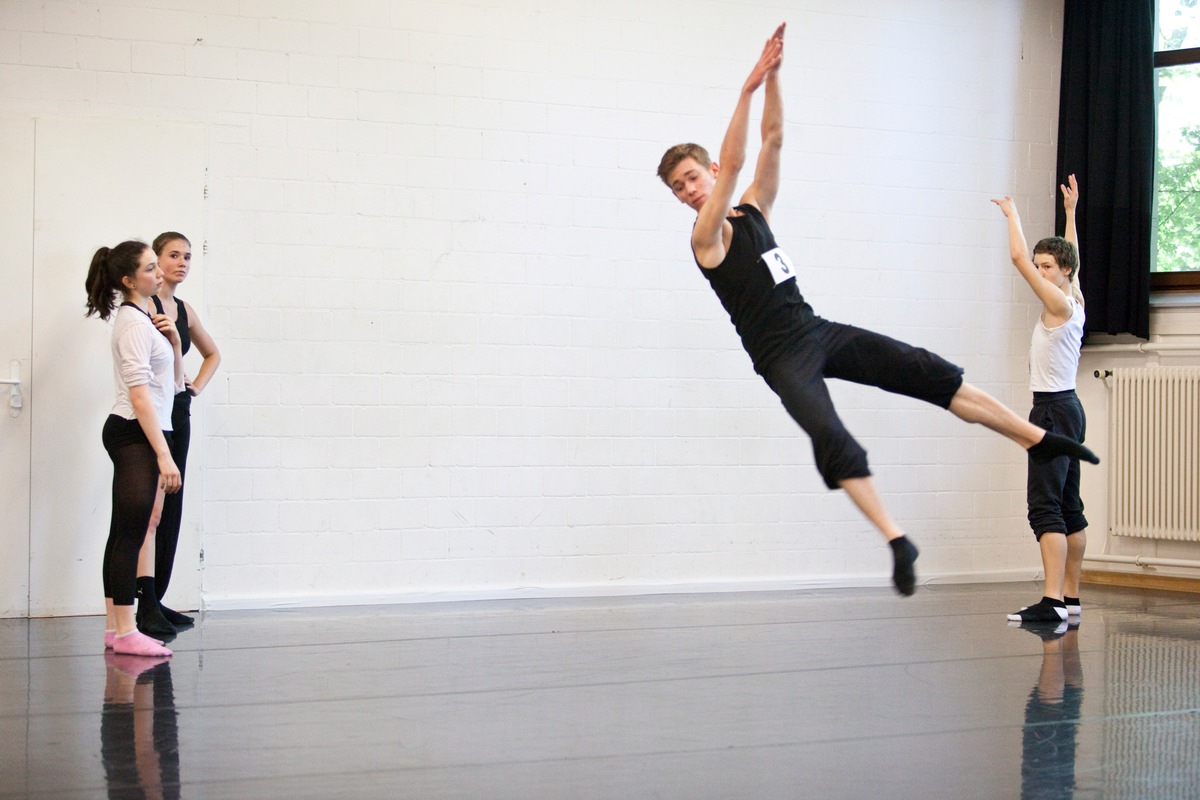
(147, 370)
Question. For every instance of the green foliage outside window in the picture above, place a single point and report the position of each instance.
(1178, 208)
(1177, 162)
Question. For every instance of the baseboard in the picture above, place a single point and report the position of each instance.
(458, 595)
(1140, 580)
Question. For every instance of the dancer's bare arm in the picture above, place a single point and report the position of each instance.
(765, 188)
(1057, 305)
(707, 236)
(208, 351)
(1070, 193)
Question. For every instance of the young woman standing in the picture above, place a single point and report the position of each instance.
(174, 253)
(147, 370)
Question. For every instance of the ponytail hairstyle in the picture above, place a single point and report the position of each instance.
(104, 282)
(1067, 256)
(165, 238)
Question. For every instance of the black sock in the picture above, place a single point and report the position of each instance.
(1045, 610)
(150, 620)
(145, 591)
(1052, 446)
(904, 554)
(174, 617)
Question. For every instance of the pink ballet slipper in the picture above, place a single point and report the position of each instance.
(136, 643)
(109, 636)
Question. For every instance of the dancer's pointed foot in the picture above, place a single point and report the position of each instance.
(904, 556)
(1052, 446)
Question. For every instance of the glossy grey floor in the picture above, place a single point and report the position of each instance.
(821, 694)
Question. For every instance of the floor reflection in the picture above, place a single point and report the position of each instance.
(818, 694)
(1052, 716)
(1151, 692)
(139, 731)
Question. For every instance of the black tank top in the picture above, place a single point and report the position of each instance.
(763, 301)
(181, 323)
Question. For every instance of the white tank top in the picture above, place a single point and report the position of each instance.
(1054, 353)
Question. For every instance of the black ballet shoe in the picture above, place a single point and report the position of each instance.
(175, 618)
(151, 621)
(1052, 446)
(904, 556)
(1045, 610)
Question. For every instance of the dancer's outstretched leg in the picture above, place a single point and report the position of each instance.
(972, 404)
(904, 553)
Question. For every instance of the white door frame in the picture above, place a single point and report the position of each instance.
(16, 276)
(98, 182)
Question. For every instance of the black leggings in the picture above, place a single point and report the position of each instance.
(167, 537)
(135, 484)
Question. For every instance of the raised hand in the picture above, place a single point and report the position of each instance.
(1006, 205)
(1070, 193)
(768, 61)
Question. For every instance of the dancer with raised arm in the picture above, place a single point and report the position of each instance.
(793, 349)
(1052, 487)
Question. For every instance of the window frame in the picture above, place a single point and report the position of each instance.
(1174, 281)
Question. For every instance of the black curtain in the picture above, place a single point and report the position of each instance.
(1106, 137)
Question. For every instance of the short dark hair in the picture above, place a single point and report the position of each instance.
(679, 152)
(1063, 252)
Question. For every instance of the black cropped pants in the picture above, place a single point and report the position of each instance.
(834, 350)
(1052, 488)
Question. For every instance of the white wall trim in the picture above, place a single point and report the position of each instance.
(455, 595)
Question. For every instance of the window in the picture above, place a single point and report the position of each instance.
(1177, 151)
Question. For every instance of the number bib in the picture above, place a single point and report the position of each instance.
(779, 264)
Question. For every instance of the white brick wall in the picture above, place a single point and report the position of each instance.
(465, 349)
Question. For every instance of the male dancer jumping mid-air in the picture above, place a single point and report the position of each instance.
(792, 348)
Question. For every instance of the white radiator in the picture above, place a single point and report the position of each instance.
(1154, 458)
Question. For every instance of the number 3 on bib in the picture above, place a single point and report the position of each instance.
(779, 264)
